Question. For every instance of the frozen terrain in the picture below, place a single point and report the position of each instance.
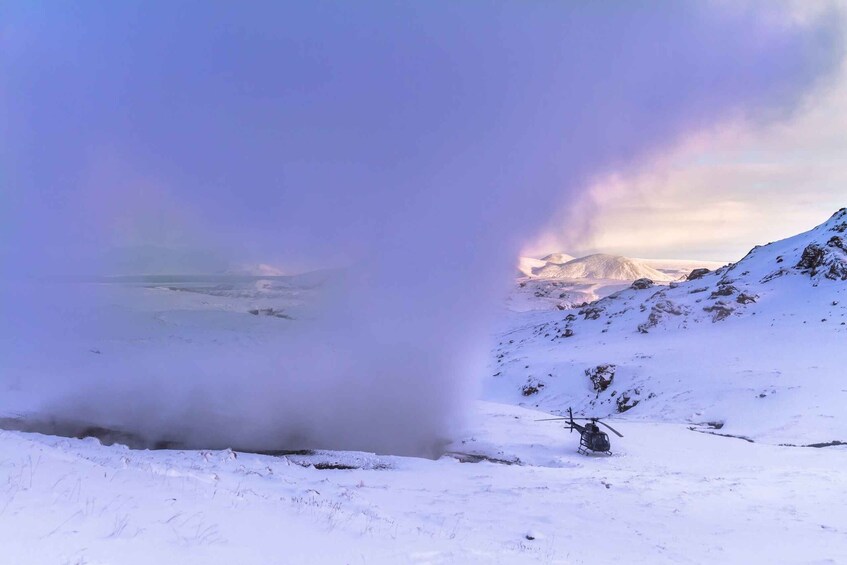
(668, 495)
(717, 384)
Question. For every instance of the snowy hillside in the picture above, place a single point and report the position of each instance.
(756, 348)
(771, 278)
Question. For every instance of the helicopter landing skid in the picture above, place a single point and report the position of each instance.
(584, 451)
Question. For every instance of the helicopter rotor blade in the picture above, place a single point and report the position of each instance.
(562, 418)
(611, 428)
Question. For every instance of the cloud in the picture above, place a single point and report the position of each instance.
(724, 188)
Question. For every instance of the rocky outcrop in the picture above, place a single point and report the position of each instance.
(697, 274)
(812, 259)
(532, 386)
(659, 311)
(831, 260)
(724, 289)
(837, 271)
(625, 402)
(719, 310)
(601, 376)
(641, 284)
(591, 312)
(270, 312)
(745, 298)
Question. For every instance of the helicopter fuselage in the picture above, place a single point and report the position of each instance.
(591, 438)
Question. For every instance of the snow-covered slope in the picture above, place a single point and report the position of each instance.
(758, 347)
(777, 277)
(601, 266)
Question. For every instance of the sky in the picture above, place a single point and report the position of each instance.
(722, 190)
(421, 145)
(204, 127)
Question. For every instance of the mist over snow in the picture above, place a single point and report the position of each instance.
(414, 145)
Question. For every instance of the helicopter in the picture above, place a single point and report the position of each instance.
(591, 437)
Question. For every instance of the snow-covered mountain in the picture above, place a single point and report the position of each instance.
(557, 258)
(679, 268)
(601, 266)
(756, 347)
(527, 264)
(609, 267)
(550, 284)
(773, 278)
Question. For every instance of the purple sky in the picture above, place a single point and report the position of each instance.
(299, 132)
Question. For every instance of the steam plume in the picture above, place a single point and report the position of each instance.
(419, 143)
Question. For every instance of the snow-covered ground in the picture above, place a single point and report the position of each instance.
(668, 495)
(709, 380)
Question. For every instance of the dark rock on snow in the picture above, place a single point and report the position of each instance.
(641, 284)
(601, 376)
(697, 274)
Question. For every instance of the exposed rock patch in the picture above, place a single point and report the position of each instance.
(745, 298)
(626, 402)
(270, 312)
(829, 260)
(812, 259)
(659, 311)
(532, 386)
(591, 312)
(697, 274)
(601, 376)
(724, 289)
(641, 284)
(719, 310)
